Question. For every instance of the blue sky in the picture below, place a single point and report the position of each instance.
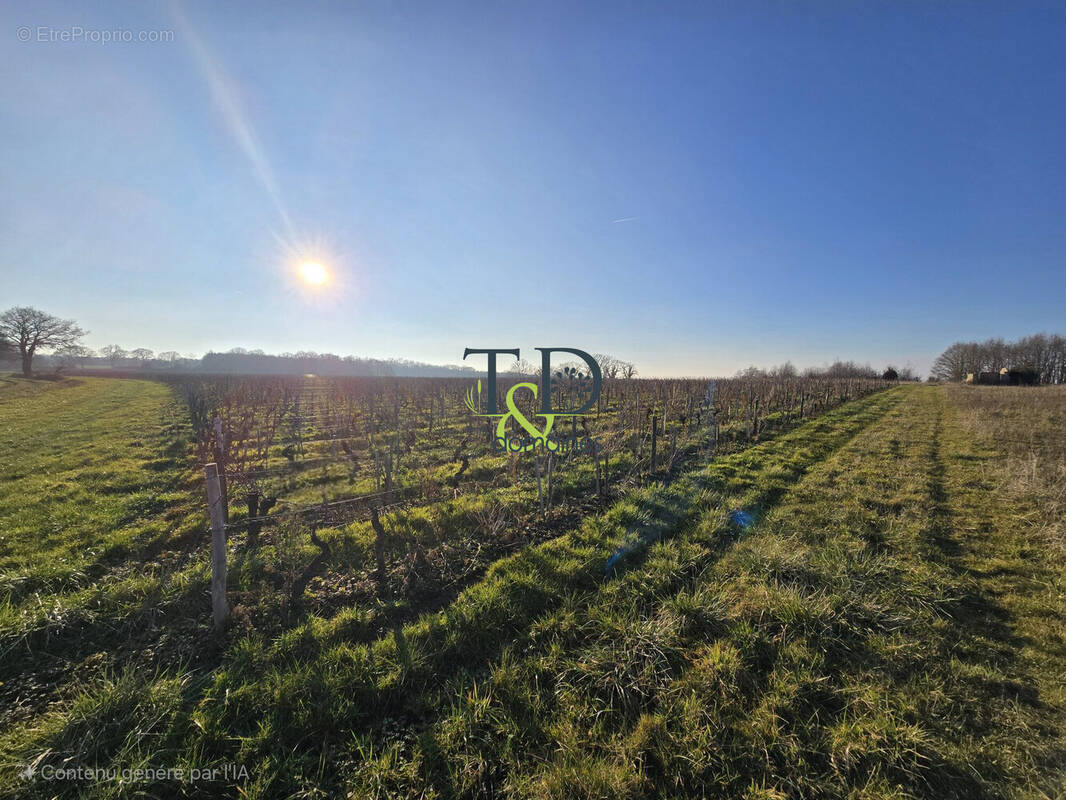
(694, 187)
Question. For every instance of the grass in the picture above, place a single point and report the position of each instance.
(512, 594)
(88, 466)
(95, 491)
(859, 641)
(1027, 430)
(885, 621)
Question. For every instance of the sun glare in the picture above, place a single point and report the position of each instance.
(313, 273)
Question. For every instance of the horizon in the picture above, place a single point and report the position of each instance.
(460, 369)
(694, 191)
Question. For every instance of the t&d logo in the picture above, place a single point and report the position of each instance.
(569, 381)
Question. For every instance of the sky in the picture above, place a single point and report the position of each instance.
(691, 187)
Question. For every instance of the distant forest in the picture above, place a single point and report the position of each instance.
(243, 362)
(1043, 356)
(838, 369)
(238, 363)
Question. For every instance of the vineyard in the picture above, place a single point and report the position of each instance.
(759, 588)
(412, 475)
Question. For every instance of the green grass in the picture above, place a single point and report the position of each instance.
(862, 640)
(88, 467)
(319, 681)
(890, 625)
(95, 488)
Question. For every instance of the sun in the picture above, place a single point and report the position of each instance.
(313, 273)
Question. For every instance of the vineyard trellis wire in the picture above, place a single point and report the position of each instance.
(340, 450)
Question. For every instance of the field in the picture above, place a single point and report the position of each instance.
(801, 589)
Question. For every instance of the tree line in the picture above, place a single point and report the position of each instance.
(33, 336)
(838, 369)
(26, 332)
(1042, 355)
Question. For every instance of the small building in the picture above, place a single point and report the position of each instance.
(985, 378)
(1021, 376)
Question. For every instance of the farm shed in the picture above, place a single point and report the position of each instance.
(1021, 376)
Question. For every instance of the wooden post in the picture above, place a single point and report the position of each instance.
(252, 499)
(654, 435)
(548, 490)
(540, 490)
(220, 460)
(379, 547)
(219, 606)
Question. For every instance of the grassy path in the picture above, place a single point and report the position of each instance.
(87, 465)
(1013, 616)
(93, 474)
(884, 631)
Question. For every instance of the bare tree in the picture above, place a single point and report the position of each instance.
(71, 356)
(1042, 355)
(113, 353)
(786, 370)
(31, 330)
(951, 365)
(750, 373)
(609, 365)
(521, 369)
(142, 354)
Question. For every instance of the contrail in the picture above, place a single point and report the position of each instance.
(224, 95)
